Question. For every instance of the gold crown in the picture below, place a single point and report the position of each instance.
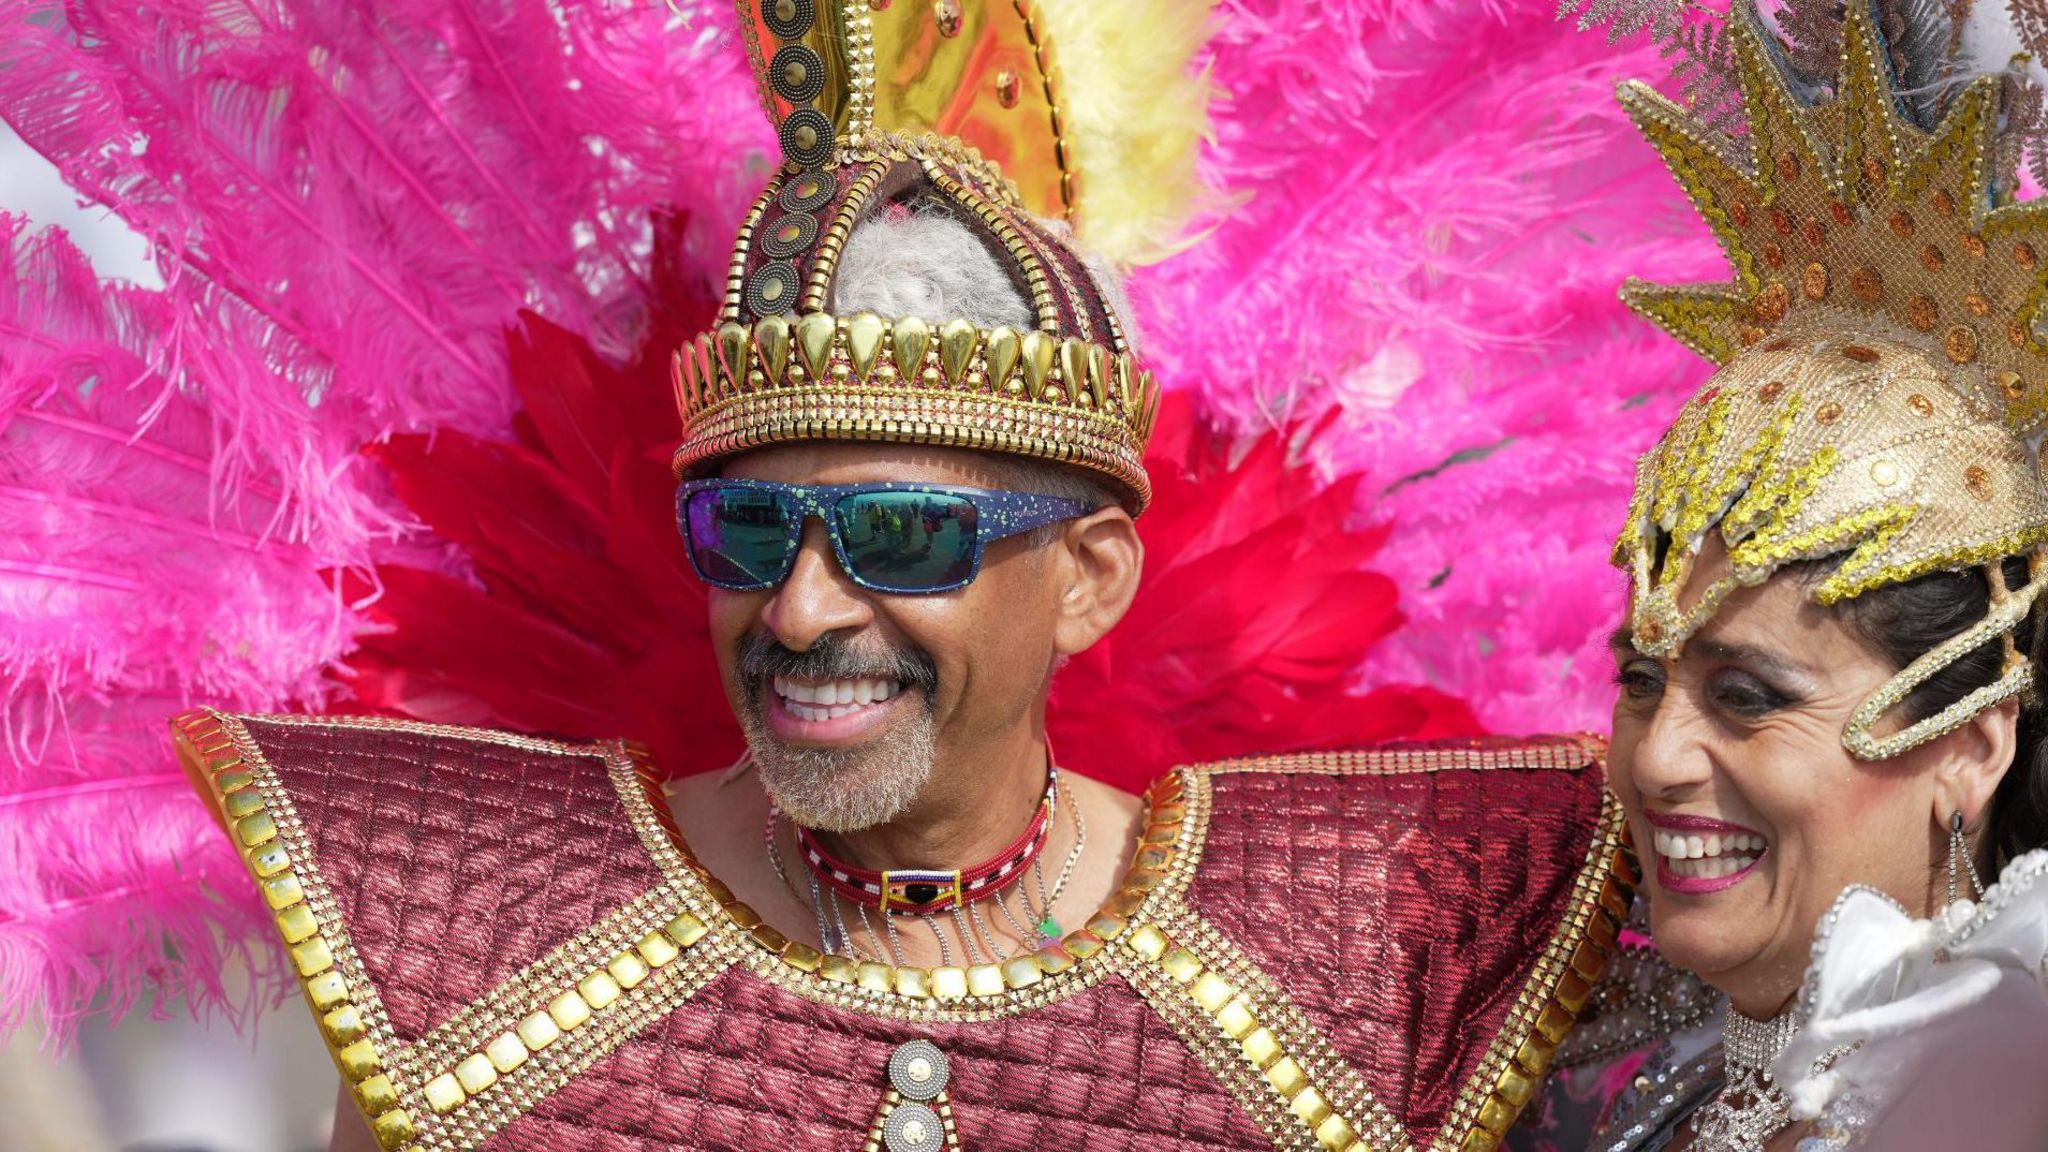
(866, 378)
(1880, 361)
(960, 105)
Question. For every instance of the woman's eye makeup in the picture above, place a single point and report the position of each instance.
(1743, 694)
(1640, 678)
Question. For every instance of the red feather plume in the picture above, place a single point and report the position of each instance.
(583, 618)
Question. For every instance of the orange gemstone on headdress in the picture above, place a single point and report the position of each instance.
(1781, 222)
(1978, 481)
(1861, 355)
(1961, 344)
(1814, 281)
(1828, 413)
(1866, 284)
(1774, 255)
(1815, 234)
(1771, 303)
(1771, 391)
(1943, 202)
(1977, 304)
(1932, 257)
(1902, 224)
(1920, 405)
(1788, 167)
(1739, 212)
(2010, 383)
(1922, 313)
(2023, 254)
(1841, 213)
(1973, 244)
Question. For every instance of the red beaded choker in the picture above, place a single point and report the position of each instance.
(922, 892)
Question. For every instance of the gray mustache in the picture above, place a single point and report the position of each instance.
(831, 657)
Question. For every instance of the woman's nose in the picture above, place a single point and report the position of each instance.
(1670, 756)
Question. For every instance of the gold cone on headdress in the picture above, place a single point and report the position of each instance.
(960, 104)
(1882, 358)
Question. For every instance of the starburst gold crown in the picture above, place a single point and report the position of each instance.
(1850, 212)
(1881, 362)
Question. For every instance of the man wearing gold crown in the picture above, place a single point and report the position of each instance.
(909, 470)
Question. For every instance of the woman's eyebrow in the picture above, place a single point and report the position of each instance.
(1753, 656)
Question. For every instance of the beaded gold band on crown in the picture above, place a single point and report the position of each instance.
(955, 384)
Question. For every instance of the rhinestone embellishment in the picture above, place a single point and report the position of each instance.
(913, 1128)
(919, 1070)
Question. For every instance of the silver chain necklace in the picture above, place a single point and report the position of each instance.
(1749, 1109)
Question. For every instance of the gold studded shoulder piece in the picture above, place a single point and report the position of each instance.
(1882, 359)
(463, 957)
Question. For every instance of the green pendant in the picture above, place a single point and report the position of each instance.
(1049, 928)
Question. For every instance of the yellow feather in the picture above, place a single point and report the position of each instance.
(1135, 117)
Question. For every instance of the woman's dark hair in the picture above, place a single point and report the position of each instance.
(1905, 621)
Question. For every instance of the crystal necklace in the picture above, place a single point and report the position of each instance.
(1749, 1109)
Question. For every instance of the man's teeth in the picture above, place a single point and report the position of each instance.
(830, 699)
(1708, 856)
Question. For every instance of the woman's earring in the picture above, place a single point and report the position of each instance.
(1959, 849)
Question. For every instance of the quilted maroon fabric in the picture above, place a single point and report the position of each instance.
(747, 1066)
(456, 863)
(1401, 912)
(1446, 881)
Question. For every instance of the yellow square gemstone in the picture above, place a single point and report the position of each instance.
(312, 957)
(283, 890)
(1181, 964)
(1022, 972)
(1286, 1076)
(949, 983)
(1336, 1132)
(269, 860)
(393, 1130)
(1147, 941)
(984, 980)
(296, 923)
(1261, 1048)
(657, 949)
(377, 1094)
(629, 970)
(875, 977)
(476, 1073)
(326, 990)
(599, 990)
(914, 982)
(507, 1052)
(358, 1061)
(569, 1009)
(1237, 1020)
(1212, 991)
(443, 1094)
(538, 1031)
(257, 829)
(344, 1025)
(687, 929)
(241, 803)
(1309, 1107)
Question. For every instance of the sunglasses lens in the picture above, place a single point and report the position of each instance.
(908, 541)
(738, 537)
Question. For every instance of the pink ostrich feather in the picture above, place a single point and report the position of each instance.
(1439, 202)
(349, 204)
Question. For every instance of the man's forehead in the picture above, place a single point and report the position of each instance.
(859, 462)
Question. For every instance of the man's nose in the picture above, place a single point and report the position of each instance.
(817, 598)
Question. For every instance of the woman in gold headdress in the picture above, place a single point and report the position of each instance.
(1828, 727)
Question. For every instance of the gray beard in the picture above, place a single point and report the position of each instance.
(845, 789)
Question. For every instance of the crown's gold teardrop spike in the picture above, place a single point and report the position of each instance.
(1850, 207)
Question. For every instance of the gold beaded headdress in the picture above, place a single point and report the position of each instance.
(1883, 360)
(961, 104)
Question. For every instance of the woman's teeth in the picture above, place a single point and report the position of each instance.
(831, 699)
(1708, 856)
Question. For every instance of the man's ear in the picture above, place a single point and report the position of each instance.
(1101, 562)
(1973, 759)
